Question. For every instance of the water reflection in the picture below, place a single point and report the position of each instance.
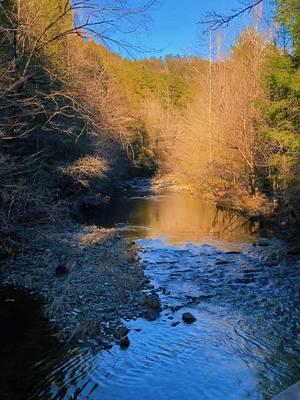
(180, 218)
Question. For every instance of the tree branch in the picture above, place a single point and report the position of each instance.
(214, 21)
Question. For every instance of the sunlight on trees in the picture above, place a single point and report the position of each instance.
(228, 126)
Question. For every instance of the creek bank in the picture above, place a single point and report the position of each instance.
(89, 278)
(237, 200)
(265, 215)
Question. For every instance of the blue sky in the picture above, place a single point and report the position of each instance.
(174, 29)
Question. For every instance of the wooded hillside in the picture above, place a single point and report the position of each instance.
(75, 117)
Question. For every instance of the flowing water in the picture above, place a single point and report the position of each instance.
(245, 342)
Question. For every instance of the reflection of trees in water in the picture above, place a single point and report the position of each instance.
(184, 217)
(179, 216)
(226, 223)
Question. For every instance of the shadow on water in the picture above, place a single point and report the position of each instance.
(25, 338)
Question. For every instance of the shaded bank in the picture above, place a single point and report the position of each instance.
(89, 279)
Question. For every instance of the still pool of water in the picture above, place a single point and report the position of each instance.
(245, 342)
(177, 217)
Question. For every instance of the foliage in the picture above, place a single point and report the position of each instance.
(288, 14)
(281, 127)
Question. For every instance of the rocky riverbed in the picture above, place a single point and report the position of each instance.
(89, 279)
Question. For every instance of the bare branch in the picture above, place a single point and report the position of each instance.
(214, 20)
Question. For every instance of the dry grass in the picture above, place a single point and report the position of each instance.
(86, 167)
(58, 305)
(98, 235)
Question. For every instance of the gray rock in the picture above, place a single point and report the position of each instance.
(121, 332)
(152, 302)
(188, 318)
(124, 342)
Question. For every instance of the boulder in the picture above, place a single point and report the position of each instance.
(188, 318)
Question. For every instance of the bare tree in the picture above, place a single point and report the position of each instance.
(41, 27)
(106, 21)
(50, 86)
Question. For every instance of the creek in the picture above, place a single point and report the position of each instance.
(241, 288)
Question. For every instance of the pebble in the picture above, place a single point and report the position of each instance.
(121, 332)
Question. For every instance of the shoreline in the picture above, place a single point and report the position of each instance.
(88, 278)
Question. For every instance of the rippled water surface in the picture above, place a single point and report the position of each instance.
(245, 342)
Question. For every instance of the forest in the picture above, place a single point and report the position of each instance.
(73, 113)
